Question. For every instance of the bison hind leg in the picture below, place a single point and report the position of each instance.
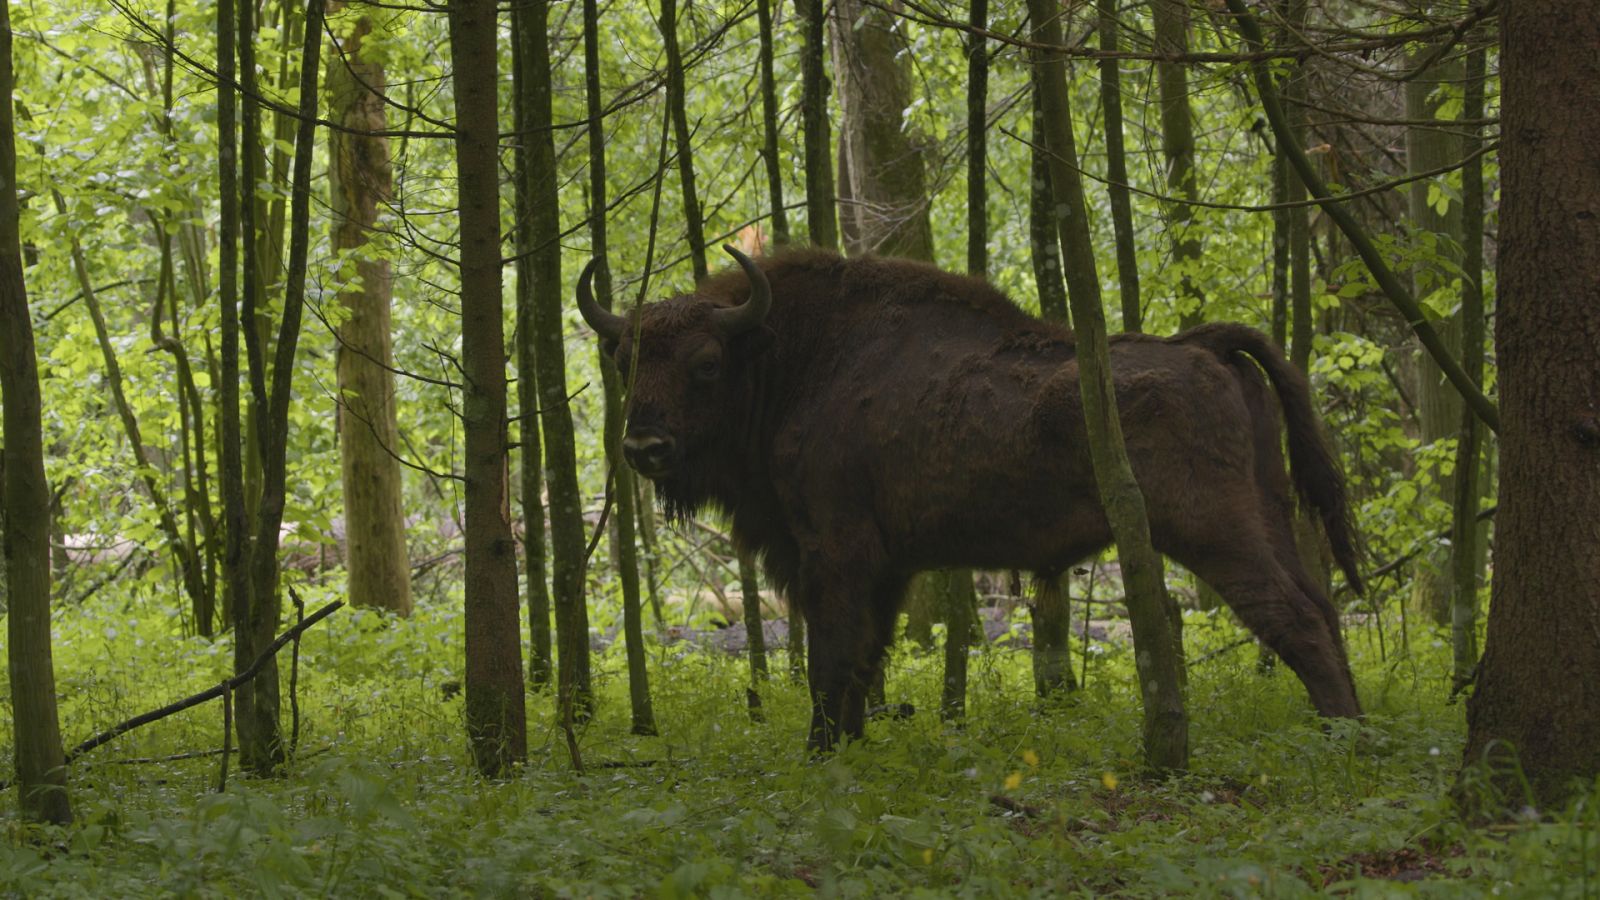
(1282, 608)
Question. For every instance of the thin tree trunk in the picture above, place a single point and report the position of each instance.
(496, 717)
(25, 506)
(1117, 170)
(1158, 657)
(977, 142)
(821, 216)
(538, 273)
(668, 24)
(1171, 25)
(622, 476)
(359, 179)
(769, 126)
(1536, 693)
(1052, 636)
(755, 635)
(1438, 404)
(1043, 237)
(231, 225)
(1466, 537)
(184, 553)
(797, 645)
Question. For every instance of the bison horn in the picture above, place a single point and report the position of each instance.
(606, 324)
(752, 312)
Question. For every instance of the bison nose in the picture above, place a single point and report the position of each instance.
(650, 454)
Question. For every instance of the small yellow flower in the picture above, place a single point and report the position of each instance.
(1109, 780)
(1030, 757)
(927, 856)
(1013, 781)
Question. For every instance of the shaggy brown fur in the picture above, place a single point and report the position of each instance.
(888, 418)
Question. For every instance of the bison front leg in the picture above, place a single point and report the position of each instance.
(848, 630)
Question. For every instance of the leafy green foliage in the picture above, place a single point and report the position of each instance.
(1019, 800)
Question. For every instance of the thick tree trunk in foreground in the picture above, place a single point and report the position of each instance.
(25, 514)
(496, 718)
(1166, 727)
(1537, 690)
(359, 178)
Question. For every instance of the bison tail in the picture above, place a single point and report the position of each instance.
(1316, 473)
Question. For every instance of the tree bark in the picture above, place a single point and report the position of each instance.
(1466, 534)
(977, 143)
(755, 634)
(1043, 236)
(538, 275)
(1157, 654)
(1170, 19)
(1052, 636)
(769, 127)
(359, 179)
(1117, 169)
(1537, 695)
(25, 506)
(1438, 405)
(821, 215)
(622, 476)
(496, 717)
(676, 109)
(882, 184)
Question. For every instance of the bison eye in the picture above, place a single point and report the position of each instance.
(707, 370)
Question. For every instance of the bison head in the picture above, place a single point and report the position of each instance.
(686, 363)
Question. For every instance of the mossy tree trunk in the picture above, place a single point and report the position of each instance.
(359, 179)
(1158, 657)
(25, 507)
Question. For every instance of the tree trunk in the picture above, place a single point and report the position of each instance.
(769, 127)
(1466, 535)
(496, 718)
(359, 178)
(1043, 236)
(538, 272)
(755, 635)
(1536, 692)
(1157, 654)
(1117, 169)
(25, 506)
(668, 23)
(1438, 404)
(1171, 25)
(538, 276)
(881, 179)
(977, 142)
(1052, 636)
(821, 216)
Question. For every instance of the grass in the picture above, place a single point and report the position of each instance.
(1022, 799)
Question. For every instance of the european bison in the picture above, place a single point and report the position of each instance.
(865, 419)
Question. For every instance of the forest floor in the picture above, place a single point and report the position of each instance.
(1021, 799)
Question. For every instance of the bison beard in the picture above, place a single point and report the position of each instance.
(862, 420)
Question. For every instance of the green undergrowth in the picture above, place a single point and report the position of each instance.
(1022, 799)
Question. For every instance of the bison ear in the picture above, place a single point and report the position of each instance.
(753, 343)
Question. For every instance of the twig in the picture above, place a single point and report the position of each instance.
(221, 690)
(294, 673)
